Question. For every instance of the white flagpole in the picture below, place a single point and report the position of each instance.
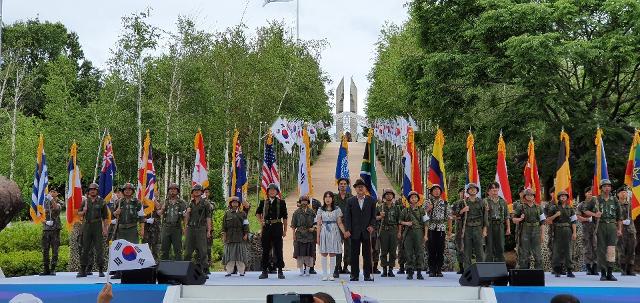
(297, 20)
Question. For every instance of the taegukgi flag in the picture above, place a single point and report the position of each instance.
(124, 255)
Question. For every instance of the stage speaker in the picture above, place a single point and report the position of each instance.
(526, 277)
(180, 272)
(138, 276)
(485, 274)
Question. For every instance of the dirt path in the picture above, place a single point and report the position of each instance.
(322, 174)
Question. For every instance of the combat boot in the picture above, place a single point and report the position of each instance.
(375, 268)
(46, 271)
(623, 269)
(384, 271)
(630, 270)
(390, 272)
(401, 270)
(460, 268)
(419, 276)
(264, 275)
(409, 274)
(82, 273)
(280, 274)
(588, 269)
(610, 276)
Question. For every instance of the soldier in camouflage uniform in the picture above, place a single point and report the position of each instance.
(388, 213)
(626, 243)
(498, 217)
(117, 194)
(129, 215)
(51, 233)
(401, 257)
(459, 221)
(552, 201)
(609, 227)
(474, 227)
(212, 206)
(94, 229)
(529, 218)
(414, 219)
(172, 213)
(340, 198)
(198, 218)
(151, 230)
(563, 218)
(588, 233)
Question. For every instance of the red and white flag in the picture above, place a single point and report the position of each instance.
(200, 174)
(269, 168)
(146, 178)
(531, 177)
(74, 188)
(502, 177)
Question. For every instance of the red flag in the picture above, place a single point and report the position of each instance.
(502, 177)
(74, 188)
(531, 177)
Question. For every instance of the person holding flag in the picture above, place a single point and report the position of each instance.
(272, 214)
(343, 260)
(198, 218)
(51, 227)
(563, 223)
(529, 218)
(474, 228)
(95, 225)
(632, 181)
(498, 218)
(627, 243)
(128, 215)
(414, 220)
(172, 212)
(588, 233)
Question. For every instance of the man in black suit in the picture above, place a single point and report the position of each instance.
(360, 218)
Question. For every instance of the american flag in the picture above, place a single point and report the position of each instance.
(269, 167)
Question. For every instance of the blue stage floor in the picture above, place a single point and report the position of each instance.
(508, 294)
(80, 293)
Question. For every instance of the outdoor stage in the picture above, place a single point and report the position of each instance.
(65, 288)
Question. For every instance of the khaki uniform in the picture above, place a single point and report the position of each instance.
(388, 236)
(128, 219)
(234, 227)
(152, 233)
(476, 221)
(607, 228)
(171, 236)
(458, 223)
(627, 243)
(497, 215)
(196, 237)
(562, 231)
(414, 237)
(97, 211)
(51, 234)
(529, 233)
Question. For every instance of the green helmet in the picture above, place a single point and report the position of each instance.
(604, 182)
(197, 187)
(93, 186)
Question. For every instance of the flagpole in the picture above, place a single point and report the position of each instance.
(95, 170)
(297, 20)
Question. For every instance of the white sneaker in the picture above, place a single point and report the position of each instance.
(325, 278)
(331, 278)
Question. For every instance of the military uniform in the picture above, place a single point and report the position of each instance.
(497, 214)
(234, 227)
(401, 257)
(303, 222)
(546, 210)
(343, 260)
(196, 237)
(97, 211)
(562, 243)
(274, 211)
(128, 219)
(476, 221)
(388, 236)
(414, 238)
(172, 218)
(210, 238)
(51, 235)
(152, 233)
(627, 243)
(459, 222)
(588, 238)
(529, 233)
(606, 232)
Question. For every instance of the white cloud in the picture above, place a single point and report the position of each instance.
(350, 26)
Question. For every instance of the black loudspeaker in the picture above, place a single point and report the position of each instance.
(526, 277)
(180, 272)
(138, 276)
(485, 274)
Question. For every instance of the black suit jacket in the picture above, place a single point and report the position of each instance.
(357, 220)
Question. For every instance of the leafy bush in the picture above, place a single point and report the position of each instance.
(29, 262)
(216, 223)
(21, 236)
(217, 251)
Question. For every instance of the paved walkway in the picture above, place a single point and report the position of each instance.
(323, 178)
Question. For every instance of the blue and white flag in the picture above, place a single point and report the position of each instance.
(124, 255)
(342, 165)
(40, 184)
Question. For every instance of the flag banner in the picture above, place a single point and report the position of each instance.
(563, 172)
(239, 184)
(531, 176)
(437, 173)
(146, 178)
(200, 174)
(313, 134)
(352, 297)
(632, 175)
(502, 177)
(305, 185)
(225, 170)
(600, 170)
(108, 171)
(73, 196)
(269, 168)
(368, 167)
(40, 185)
(342, 164)
(282, 133)
(412, 177)
(473, 176)
(124, 255)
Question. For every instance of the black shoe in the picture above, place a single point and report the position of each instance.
(368, 278)
(312, 271)
(390, 273)
(570, 274)
(401, 270)
(588, 269)
(52, 273)
(227, 275)
(384, 272)
(336, 274)
(45, 272)
(419, 276)
(375, 268)
(345, 270)
(409, 274)
(603, 275)
(353, 279)
(439, 274)
(432, 274)
(594, 269)
(101, 274)
(630, 270)
(280, 274)
(460, 268)
(82, 273)
(89, 273)
(264, 275)
(556, 270)
(610, 276)
(623, 269)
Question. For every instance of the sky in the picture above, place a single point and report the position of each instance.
(351, 27)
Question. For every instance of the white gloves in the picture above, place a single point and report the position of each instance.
(150, 220)
(626, 222)
(542, 217)
(114, 221)
(49, 223)
(425, 218)
(141, 213)
(574, 218)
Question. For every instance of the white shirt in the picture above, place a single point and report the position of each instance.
(360, 202)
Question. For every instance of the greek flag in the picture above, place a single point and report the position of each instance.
(40, 184)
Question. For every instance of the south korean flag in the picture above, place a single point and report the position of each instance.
(124, 255)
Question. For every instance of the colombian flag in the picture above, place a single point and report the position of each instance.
(437, 173)
(502, 177)
(531, 177)
(600, 170)
(563, 172)
(473, 176)
(632, 175)
(74, 187)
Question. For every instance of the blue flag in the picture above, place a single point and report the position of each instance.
(108, 171)
(342, 165)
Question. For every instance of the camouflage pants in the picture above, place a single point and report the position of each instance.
(627, 247)
(152, 237)
(50, 241)
(589, 242)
